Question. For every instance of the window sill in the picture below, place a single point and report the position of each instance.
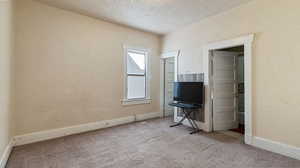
(128, 102)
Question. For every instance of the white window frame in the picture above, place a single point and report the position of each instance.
(146, 99)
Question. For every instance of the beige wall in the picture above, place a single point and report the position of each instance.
(69, 68)
(276, 86)
(5, 74)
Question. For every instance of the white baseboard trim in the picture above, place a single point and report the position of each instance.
(5, 155)
(146, 116)
(61, 132)
(277, 147)
(248, 139)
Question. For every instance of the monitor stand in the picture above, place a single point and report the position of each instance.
(187, 110)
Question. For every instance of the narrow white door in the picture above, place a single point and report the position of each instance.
(169, 83)
(224, 90)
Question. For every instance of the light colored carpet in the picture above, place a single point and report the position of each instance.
(148, 144)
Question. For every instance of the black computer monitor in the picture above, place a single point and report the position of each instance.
(189, 92)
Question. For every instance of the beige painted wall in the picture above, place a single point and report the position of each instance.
(69, 68)
(6, 48)
(276, 86)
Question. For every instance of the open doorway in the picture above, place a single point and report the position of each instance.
(169, 78)
(247, 43)
(227, 88)
(169, 61)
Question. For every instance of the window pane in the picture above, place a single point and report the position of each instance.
(136, 87)
(135, 63)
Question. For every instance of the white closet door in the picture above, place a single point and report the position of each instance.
(224, 75)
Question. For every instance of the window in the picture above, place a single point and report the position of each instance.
(136, 74)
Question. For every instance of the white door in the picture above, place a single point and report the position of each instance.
(169, 84)
(224, 90)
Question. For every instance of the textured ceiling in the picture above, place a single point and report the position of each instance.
(157, 16)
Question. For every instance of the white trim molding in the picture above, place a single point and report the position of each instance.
(277, 147)
(127, 102)
(247, 42)
(147, 98)
(147, 116)
(6, 153)
(169, 54)
(61, 132)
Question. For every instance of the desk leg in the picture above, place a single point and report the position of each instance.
(192, 122)
(186, 115)
(194, 132)
(175, 125)
(180, 122)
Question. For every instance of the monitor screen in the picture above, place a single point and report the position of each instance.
(189, 92)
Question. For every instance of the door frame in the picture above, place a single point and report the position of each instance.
(247, 42)
(170, 54)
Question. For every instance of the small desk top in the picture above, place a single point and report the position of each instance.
(185, 105)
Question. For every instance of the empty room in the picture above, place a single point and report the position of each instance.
(149, 84)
